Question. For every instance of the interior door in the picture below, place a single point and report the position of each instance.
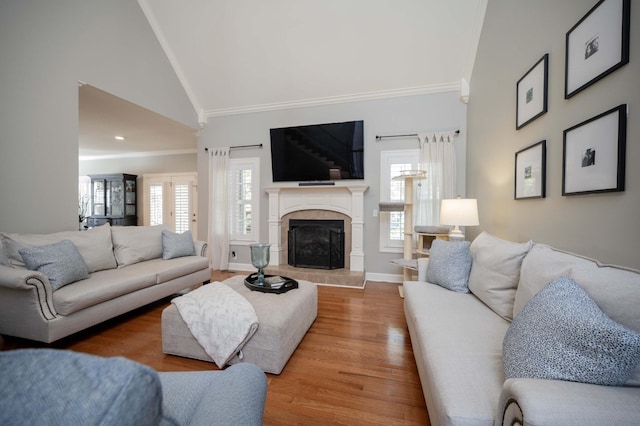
(171, 200)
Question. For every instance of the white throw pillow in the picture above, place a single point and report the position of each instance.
(133, 244)
(495, 271)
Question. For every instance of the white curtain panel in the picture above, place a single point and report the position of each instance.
(438, 158)
(218, 240)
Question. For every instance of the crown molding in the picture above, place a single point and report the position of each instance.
(358, 97)
(155, 27)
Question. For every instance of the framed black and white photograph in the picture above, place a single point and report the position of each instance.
(597, 45)
(531, 171)
(531, 92)
(594, 154)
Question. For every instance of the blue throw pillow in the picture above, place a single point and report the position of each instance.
(562, 334)
(450, 265)
(61, 262)
(177, 245)
(59, 387)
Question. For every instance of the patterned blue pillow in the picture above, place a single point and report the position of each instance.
(177, 245)
(450, 265)
(61, 262)
(562, 334)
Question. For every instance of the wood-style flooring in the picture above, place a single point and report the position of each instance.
(355, 365)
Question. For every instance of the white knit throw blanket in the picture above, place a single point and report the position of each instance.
(220, 319)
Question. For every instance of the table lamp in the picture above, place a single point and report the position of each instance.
(459, 212)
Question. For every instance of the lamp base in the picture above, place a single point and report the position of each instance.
(456, 234)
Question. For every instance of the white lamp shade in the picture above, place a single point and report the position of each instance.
(459, 212)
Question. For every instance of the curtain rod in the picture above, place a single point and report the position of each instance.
(378, 138)
(257, 145)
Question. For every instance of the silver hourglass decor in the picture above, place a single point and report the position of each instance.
(260, 259)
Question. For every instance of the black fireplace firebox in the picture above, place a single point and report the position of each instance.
(316, 243)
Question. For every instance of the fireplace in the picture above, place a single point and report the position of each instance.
(344, 201)
(316, 243)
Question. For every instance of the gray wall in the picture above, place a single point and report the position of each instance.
(515, 35)
(441, 111)
(46, 48)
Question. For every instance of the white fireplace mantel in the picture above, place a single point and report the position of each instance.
(342, 197)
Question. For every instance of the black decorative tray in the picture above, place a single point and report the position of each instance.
(273, 283)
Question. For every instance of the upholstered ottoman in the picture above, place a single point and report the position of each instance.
(283, 321)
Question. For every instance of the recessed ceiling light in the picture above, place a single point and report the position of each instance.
(120, 138)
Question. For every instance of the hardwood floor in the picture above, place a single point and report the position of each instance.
(354, 366)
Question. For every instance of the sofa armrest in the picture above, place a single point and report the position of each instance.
(18, 279)
(554, 402)
(234, 396)
(201, 248)
(423, 263)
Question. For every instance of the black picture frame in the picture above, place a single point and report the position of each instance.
(597, 45)
(532, 93)
(531, 172)
(594, 154)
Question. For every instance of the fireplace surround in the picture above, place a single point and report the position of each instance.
(341, 199)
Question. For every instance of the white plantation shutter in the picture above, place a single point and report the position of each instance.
(156, 204)
(182, 207)
(244, 201)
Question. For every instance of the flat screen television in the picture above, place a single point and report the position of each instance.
(320, 152)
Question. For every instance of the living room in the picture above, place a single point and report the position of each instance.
(47, 48)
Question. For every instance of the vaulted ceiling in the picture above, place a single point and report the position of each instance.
(235, 56)
(238, 56)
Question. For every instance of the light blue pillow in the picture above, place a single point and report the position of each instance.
(562, 334)
(61, 262)
(48, 386)
(177, 245)
(450, 265)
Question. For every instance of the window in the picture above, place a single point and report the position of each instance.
(392, 223)
(244, 192)
(171, 200)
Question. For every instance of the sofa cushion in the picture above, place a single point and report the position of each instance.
(449, 265)
(46, 386)
(457, 343)
(94, 245)
(167, 270)
(495, 271)
(102, 286)
(177, 245)
(133, 244)
(562, 334)
(60, 262)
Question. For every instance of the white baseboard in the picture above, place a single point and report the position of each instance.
(390, 278)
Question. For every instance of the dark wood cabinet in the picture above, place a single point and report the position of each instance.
(113, 200)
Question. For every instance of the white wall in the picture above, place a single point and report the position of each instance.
(440, 111)
(515, 35)
(46, 48)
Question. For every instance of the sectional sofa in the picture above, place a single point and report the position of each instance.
(54, 285)
(522, 333)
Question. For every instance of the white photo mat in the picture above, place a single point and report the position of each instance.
(594, 154)
(530, 171)
(597, 45)
(532, 93)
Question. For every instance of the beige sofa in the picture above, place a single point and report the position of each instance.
(458, 339)
(125, 269)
